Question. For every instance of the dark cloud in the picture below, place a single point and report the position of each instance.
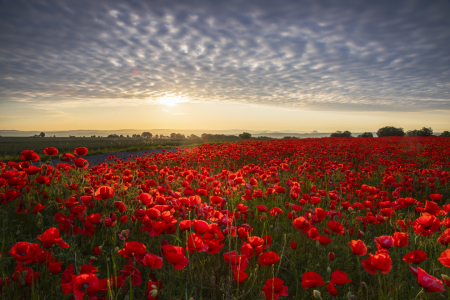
(321, 55)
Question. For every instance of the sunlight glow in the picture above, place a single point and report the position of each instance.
(171, 100)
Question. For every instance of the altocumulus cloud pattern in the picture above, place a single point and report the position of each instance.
(319, 55)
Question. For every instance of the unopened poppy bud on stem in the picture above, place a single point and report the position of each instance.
(317, 294)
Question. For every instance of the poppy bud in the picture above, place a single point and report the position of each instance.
(328, 270)
(108, 259)
(445, 277)
(17, 232)
(331, 255)
(317, 294)
(361, 233)
(369, 248)
(116, 249)
(25, 273)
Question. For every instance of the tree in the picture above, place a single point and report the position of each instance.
(390, 131)
(193, 136)
(147, 135)
(341, 134)
(366, 134)
(204, 137)
(245, 135)
(42, 134)
(422, 132)
(445, 134)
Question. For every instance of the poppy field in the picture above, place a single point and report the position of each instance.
(329, 218)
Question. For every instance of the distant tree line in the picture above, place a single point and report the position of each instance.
(391, 131)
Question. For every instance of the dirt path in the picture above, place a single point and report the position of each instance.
(100, 158)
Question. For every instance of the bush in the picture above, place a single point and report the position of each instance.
(445, 134)
(422, 132)
(390, 131)
(341, 134)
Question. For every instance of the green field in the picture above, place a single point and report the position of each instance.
(10, 147)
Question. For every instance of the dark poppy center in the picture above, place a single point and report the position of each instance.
(84, 286)
(22, 254)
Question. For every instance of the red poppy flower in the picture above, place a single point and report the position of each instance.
(336, 227)
(81, 151)
(153, 261)
(81, 163)
(293, 245)
(445, 258)
(104, 192)
(80, 285)
(301, 224)
(384, 241)
(133, 249)
(274, 288)
(94, 219)
(200, 226)
(132, 274)
(401, 239)
(153, 288)
(268, 258)
(24, 252)
(51, 151)
(239, 276)
(323, 240)
(261, 208)
(358, 247)
(415, 257)
(311, 280)
(379, 262)
(38, 208)
(55, 267)
(216, 200)
(429, 283)
(175, 256)
(29, 155)
(50, 237)
(237, 261)
(66, 157)
(195, 243)
(32, 170)
(436, 197)
(276, 211)
(339, 278)
(30, 277)
(433, 209)
(214, 246)
(426, 224)
(332, 289)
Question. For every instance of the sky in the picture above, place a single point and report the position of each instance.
(197, 64)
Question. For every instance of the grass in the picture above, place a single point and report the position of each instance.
(10, 147)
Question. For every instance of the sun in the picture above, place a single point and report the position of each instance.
(171, 100)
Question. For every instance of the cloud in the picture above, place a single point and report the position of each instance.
(316, 55)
